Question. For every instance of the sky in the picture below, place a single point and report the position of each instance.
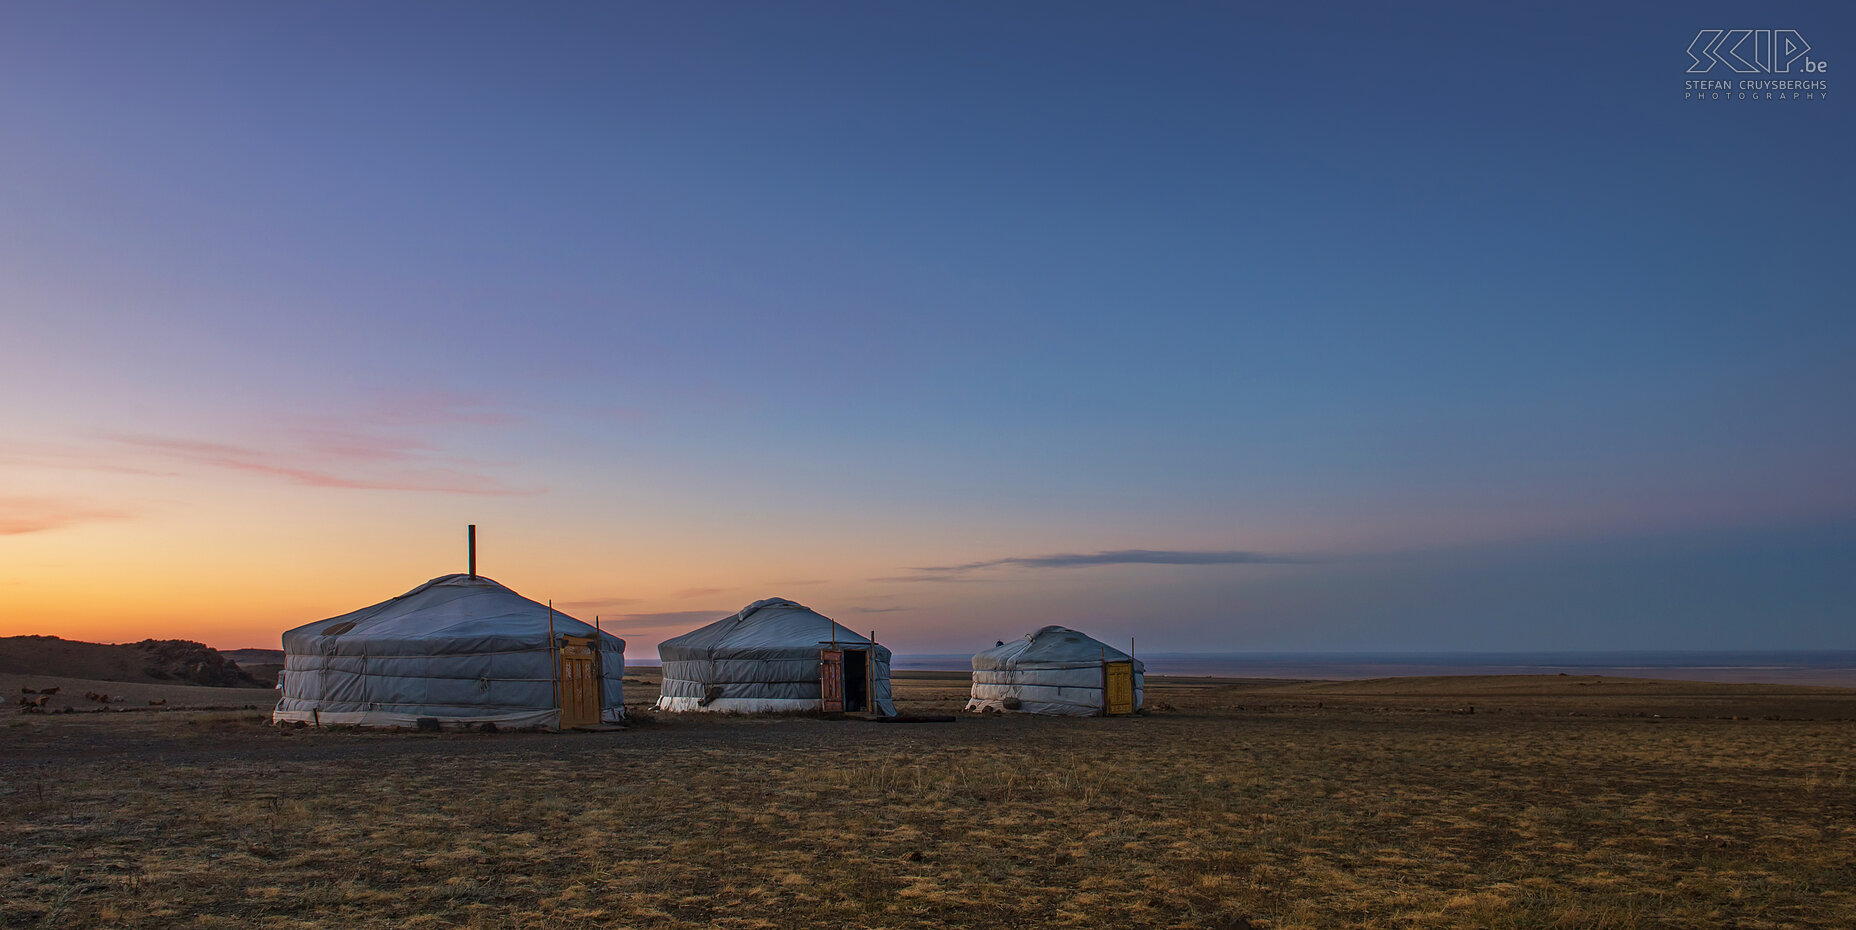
(1357, 327)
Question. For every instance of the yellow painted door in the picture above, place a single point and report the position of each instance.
(1118, 687)
(579, 682)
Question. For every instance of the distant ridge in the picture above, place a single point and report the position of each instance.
(1835, 668)
(167, 661)
(249, 657)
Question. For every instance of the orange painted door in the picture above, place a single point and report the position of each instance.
(579, 682)
(831, 680)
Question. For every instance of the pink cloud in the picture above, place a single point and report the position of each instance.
(662, 625)
(68, 456)
(327, 437)
(325, 464)
(597, 603)
(387, 445)
(21, 515)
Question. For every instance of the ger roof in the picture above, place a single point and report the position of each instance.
(1050, 647)
(763, 629)
(450, 607)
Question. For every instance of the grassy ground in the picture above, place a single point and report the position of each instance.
(1556, 803)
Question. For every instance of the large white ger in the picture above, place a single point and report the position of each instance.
(1057, 671)
(461, 649)
(775, 655)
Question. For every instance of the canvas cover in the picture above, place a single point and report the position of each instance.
(463, 649)
(761, 660)
(1053, 671)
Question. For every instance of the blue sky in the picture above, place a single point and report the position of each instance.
(1456, 314)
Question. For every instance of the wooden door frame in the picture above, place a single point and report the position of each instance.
(869, 653)
(596, 677)
(1107, 704)
(870, 679)
(824, 693)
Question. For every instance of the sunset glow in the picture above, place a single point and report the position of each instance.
(942, 333)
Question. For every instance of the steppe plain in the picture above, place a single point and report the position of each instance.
(1557, 801)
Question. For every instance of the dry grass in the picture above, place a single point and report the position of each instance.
(126, 696)
(1313, 806)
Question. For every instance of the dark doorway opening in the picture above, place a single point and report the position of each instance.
(856, 680)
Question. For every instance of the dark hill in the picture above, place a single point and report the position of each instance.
(175, 661)
(246, 658)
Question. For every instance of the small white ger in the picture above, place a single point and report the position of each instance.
(775, 656)
(1057, 671)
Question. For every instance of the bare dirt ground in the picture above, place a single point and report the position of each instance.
(1492, 802)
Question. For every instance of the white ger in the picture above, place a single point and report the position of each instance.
(460, 649)
(1057, 671)
(775, 655)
